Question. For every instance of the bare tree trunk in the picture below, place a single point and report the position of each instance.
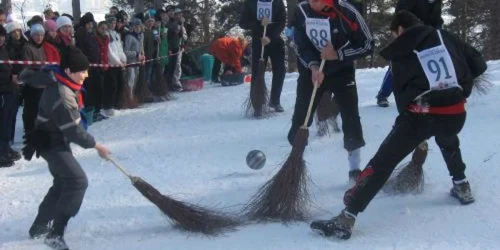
(292, 58)
(138, 6)
(158, 4)
(77, 12)
(206, 20)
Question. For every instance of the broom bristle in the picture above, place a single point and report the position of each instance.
(409, 177)
(141, 90)
(189, 217)
(127, 101)
(257, 103)
(285, 196)
(161, 83)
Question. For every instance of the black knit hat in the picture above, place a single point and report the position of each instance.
(86, 19)
(74, 59)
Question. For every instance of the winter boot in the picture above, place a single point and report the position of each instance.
(38, 230)
(277, 107)
(13, 155)
(382, 102)
(56, 242)
(461, 191)
(6, 161)
(339, 226)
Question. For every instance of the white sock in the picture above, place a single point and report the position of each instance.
(354, 158)
(460, 181)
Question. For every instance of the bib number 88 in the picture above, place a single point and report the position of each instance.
(319, 38)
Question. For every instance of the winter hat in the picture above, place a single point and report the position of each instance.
(74, 59)
(36, 29)
(63, 21)
(86, 19)
(110, 18)
(135, 22)
(169, 8)
(177, 10)
(3, 32)
(50, 25)
(10, 27)
(68, 16)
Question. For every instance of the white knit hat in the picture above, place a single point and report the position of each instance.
(63, 21)
(10, 27)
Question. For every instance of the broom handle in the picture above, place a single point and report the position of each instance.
(262, 50)
(313, 97)
(119, 167)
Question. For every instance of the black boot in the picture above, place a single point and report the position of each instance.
(276, 106)
(38, 230)
(339, 226)
(55, 238)
(13, 155)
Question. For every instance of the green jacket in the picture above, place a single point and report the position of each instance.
(163, 46)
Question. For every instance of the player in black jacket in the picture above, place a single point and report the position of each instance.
(333, 30)
(429, 11)
(58, 125)
(434, 73)
(255, 15)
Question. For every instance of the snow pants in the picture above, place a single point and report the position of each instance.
(408, 132)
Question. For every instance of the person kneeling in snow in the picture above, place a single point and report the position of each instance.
(434, 73)
(57, 125)
(228, 50)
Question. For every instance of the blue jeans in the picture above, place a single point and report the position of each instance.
(386, 88)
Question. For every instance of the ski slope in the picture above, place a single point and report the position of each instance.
(194, 149)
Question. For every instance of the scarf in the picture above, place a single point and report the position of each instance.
(64, 79)
(333, 12)
(51, 52)
(103, 43)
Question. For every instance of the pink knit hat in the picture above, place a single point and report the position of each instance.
(50, 25)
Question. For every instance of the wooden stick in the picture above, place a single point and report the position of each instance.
(312, 97)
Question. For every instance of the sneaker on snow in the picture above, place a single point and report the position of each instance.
(6, 161)
(277, 107)
(13, 155)
(38, 230)
(382, 102)
(56, 242)
(461, 191)
(339, 226)
(353, 175)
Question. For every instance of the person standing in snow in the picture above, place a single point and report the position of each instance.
(177, 36)
(434, 73)
(255, 15)
(133, 48)
(58, 125)
(114, 78)
(429, 11)
(332, 30)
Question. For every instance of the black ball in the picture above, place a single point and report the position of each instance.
(256, 159)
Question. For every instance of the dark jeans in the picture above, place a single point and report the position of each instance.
(110, 87)
(386, 88)
(94, 89)
(8, 107)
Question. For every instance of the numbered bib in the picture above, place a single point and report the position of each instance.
(319, 32)
(438, 67)
(264, 9)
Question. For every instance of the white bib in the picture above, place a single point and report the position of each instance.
(264, 9)
(318, 30)
(438, 67)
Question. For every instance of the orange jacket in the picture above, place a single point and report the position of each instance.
(229, 51)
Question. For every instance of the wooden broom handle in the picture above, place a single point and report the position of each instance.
(262, 50)
(312, 97)
(125, 172)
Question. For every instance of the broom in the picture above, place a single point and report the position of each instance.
(258, 98)
(409, 177)
(326, 115)
(125, 98)
(186, 216)
(285, 196)
(160, 81)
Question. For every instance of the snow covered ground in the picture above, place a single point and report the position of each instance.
(194, 148)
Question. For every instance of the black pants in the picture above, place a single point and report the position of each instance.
(94, 89)
(68, 189)
(110, 87)
(408, 132)
(31, 102)
(172, 63)
(276, 52)
(343, 86)
(8, 106)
